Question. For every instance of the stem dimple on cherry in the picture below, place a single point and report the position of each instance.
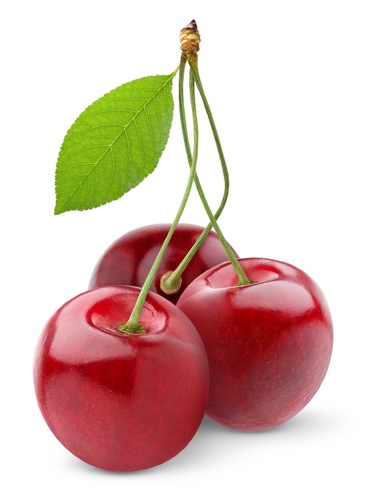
(169, 286)
(135, 330)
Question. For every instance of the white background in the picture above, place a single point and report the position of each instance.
(292, 88)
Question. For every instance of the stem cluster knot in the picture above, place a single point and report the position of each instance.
(190, 38)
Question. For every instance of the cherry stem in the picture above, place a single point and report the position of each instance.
(172, 281)
(242, 278)
(133, 325)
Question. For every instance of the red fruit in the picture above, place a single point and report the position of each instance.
(268, 344)
(128, 260)
(118, 401)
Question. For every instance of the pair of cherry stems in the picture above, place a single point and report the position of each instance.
(172, 280)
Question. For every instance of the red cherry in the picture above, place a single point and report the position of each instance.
(268, 344)
(117, 401)
(128, 260)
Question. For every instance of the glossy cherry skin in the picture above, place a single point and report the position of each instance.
(268, 344)
(128, 260)
(121, 402)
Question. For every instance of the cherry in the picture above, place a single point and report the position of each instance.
(268, 343)
(116, 400)
(128, 260)
(122, 376)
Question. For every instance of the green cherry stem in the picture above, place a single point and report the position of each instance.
(173, 279)
(133, 325)
(241, 275)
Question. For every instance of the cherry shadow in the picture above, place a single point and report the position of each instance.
(213, 439)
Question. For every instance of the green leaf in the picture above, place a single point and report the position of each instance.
(114, 144)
